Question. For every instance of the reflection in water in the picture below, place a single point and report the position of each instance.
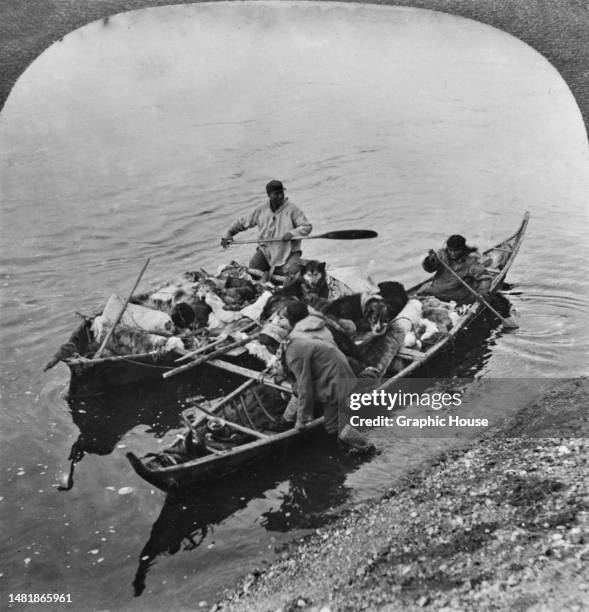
(316, 484)
(104, 420)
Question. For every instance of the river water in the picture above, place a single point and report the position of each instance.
(144, 135)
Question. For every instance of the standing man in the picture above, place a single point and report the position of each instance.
(280, 220)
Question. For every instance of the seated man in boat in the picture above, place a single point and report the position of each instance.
(320, 375)
(464, 261)
(280, 222)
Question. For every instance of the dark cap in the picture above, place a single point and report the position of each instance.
(456, 241)
(274, 186)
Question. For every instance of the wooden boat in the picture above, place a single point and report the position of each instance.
(105, 374)
(217, 461)
(240, 435)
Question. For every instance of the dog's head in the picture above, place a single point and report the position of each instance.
(313, 274)
(378, 314)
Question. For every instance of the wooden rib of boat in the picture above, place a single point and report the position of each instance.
(217, 460)
(241, 436)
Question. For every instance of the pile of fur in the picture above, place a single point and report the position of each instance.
(161, 319)
(426, 320)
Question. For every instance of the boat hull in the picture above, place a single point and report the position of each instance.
(111, 374)
(187, 476)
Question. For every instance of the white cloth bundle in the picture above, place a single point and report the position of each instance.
(134, 317)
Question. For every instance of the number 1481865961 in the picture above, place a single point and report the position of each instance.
(39, 598)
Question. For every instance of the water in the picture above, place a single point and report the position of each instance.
(145, 135)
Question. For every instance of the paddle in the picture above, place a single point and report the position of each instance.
(507, 324)
(336, 235)
(111, 330)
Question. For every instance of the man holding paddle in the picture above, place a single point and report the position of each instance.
(281, 225)
(460, 274)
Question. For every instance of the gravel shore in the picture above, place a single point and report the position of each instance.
(502, 526)
(559, 30)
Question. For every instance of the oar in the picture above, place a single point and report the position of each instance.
(111, 330)
(507, 324)
(337, 235)
(247, 430)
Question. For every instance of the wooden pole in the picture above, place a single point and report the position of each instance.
(253, 374)
(111, 330)
(218, 341)
(228, 398)
(508, 324)
(208, 356)
(247, 430)
(202, 349)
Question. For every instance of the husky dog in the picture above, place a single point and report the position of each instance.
(309, 284)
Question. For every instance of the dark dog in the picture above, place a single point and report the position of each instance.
(276, 303)
(394, 294)
(373, 312)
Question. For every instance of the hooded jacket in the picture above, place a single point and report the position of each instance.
(272, 225)
(312, 326)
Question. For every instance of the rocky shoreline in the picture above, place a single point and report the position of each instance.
(503, 525)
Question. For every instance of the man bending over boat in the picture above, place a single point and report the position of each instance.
(463, 260)
(320, 375)
(278, 220)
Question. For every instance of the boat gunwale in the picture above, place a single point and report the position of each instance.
(162, 473)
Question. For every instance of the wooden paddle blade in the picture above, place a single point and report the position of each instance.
(349, 235)
(509, 325)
